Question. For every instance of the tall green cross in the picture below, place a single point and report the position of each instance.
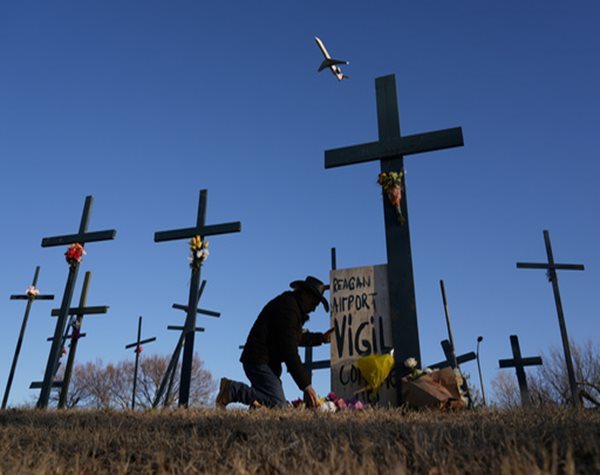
(82, 237)
(390, 150)
(30, 297)
(551, 268)
(202, 230)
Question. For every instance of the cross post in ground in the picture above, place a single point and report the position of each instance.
(138, 349)
(551, 268)
(390, 151)
(200, 230)
(519, 363)
(31, 296)
(82, 237)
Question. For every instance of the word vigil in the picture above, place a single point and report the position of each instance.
(360, 339)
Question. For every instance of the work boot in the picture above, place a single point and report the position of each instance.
(224, 396)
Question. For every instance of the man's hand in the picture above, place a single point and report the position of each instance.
(310, 397)
(327, 336)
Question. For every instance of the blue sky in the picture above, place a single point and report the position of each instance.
(142, 104)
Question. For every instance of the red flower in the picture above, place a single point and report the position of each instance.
(75, 253)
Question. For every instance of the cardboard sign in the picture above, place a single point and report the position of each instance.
(360, 317)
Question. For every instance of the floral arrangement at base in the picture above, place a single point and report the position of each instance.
(332, 403)
(32, 292)
(74, 255)
(199, 252)
(391, 184)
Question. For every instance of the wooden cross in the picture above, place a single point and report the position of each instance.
(451, 359)
(519, 363)
(551, 268)
(309, 364)
(202, 230)
(74, 325)
(390, 151)
(450, 342)
(169, 375)
(81, 237)
(77, 315)
(138, 349)
(30, 297)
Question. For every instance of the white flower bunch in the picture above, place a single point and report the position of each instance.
(410, 363)
(32, 291)
(202, 254)
(327, 406)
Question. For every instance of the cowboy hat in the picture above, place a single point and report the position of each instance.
(314, 286)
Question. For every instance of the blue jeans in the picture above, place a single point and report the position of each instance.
(266, 387)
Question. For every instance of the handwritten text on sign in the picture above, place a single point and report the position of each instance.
(360, 318)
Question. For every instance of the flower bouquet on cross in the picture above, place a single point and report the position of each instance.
(199, 251)
(74, 254)
(32, 292)
(391, 184)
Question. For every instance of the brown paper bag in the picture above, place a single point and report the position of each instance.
(425, 392)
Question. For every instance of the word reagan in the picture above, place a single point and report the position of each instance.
(351, 283)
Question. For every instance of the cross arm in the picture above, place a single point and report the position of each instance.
(37, 297)
(80, 238)
(82, 310)
(38, 384)
(81, 335)
(510, 363)
(459, 360)
(411, 144)
(320, 364)
(212, 230)
(178, 327)
(528, 265)
(142, 342)
(209, 313)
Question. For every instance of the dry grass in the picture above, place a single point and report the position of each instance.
(365, 442)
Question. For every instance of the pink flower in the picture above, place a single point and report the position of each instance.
(341, 404)
(358, 405)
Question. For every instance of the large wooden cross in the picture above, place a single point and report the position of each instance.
(82, 237)
(31, 296)
(519, 363)
(390, 151)
(202, 230)
(551, 268)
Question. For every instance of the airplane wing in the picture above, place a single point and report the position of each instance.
(327, 63)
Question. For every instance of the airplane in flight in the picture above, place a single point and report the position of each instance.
(330, 63)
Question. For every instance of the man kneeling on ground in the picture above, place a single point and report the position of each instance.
(274, 339)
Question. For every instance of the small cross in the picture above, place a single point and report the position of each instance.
(390, 151)
(169, 375)
(82, 237)
(450, 355)
(202, 230)
(519, 364)
(138, 349)
(551, 268)
(30, 297)
(309, 364)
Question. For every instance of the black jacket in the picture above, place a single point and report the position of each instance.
(276, 335)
